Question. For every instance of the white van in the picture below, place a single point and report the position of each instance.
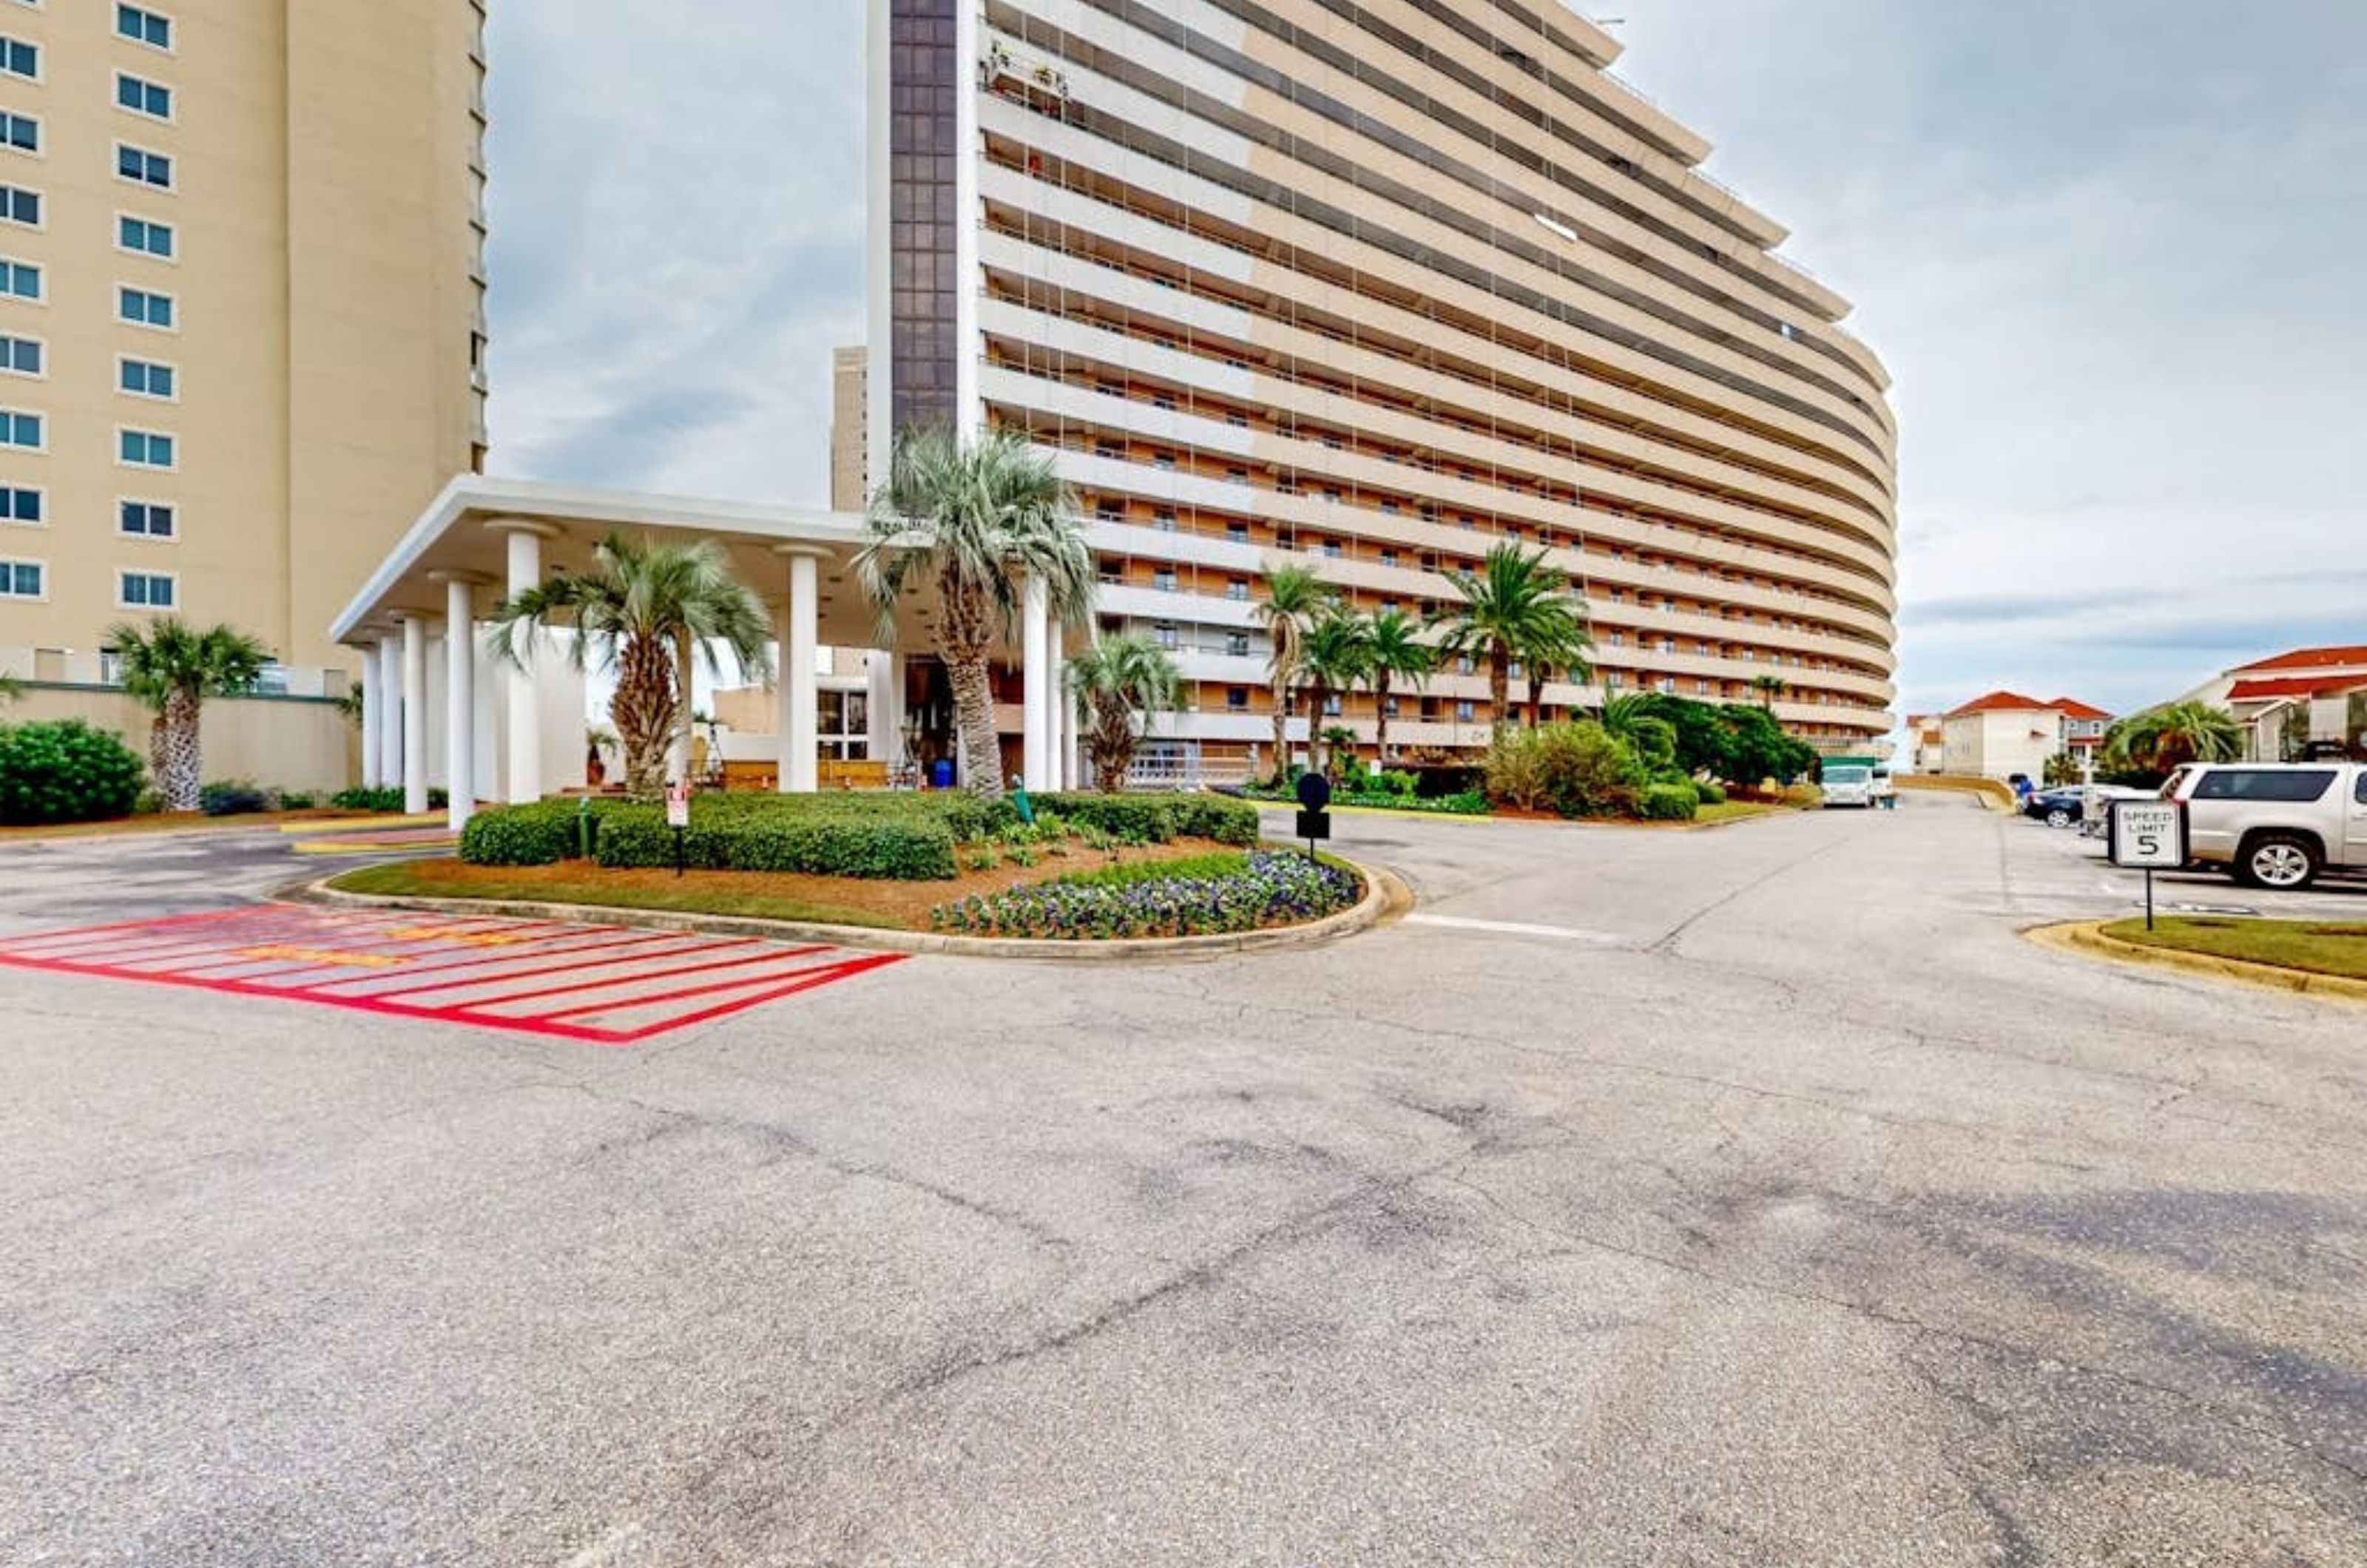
(1847, 784)
(2273, 825)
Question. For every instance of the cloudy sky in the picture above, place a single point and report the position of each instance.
(2113, 252)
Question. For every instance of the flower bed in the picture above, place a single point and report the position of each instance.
(1208, 895)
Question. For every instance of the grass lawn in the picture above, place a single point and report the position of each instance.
(768, 895)
(1736, 810)
(2313, 947)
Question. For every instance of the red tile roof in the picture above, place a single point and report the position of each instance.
(2071, 708)
(2355, 656)
(2261, 690)
(1999, 702)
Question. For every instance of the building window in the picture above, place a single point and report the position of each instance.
(145, 590)
(20, 355)
(21, 579)
(1465, 713)
(1164, 580)
(1164, 522)
(145, 449)
(1237, 643)
(1388, 558)
(19, 504)
(21, 131)
(1237, 532)
(1237, 591)
(146, 520)
(1166, 635)
(20, 59)
(1236, 699)
(145, 238)
(141, 26)
(24, 431)
(142, 308)
(1332, 705)
(147, 378)
(20, 281)
(18, 205)
(142, 97)
(144, 167)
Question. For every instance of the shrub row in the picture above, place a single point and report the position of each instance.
(541, 834)
(915, 847)
(64, 771)
(1157, 818)
(386, 799)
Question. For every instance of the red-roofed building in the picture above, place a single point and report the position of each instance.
(2310, 693)
(2006, 733)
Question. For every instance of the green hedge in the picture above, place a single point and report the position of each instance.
(64, 771)
(1667, 802)
(541, 834)
(796, 836)
(1156, 818)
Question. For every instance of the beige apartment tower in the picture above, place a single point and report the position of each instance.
(243, 323)
(1373, 286)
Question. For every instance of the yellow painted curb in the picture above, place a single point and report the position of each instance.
(2086, 939)
(1993, 796)
(323, 827)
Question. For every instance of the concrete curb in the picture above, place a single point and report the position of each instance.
(1386, 899)
(2086, 939)
(1994, 796)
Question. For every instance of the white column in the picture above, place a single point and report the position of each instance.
(1059, 719)
(801, 697)
(414, 715)
(373, 716)
(390, 724)
(1034, 750)
(524, 774)
(460, 698)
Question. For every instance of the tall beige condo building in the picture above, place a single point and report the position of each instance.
(1373, 286)
(848, 449)
(243, 245)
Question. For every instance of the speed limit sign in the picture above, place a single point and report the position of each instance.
(2147, 834)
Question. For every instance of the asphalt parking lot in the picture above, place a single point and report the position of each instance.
(1744, 1197)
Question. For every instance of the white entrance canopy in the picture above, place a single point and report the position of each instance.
(482, 539)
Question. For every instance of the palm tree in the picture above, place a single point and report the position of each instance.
(978, 521)
(1621, 713)
(2162, 737)
(1295, 599)
(1396, 652)
(1119, 682)
(1334, 658)
(637, 607)
(172, 668)
(12, 690)
(1769, 688)
(1515, 606)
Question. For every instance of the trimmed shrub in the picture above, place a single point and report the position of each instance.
(1667, 803)
(1157, 818)
(542, 833)
(296, 800)
(64, 771)
(1577, 768)
(790, 834)
(232, 797)
(389, 799)
(1711, 793)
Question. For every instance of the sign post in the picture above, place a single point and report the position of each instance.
(1314, 819)
(678, 819)
(2147, 835)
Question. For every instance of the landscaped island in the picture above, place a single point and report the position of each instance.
(1086, 867)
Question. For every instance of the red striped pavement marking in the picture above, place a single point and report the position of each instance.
(318, 950)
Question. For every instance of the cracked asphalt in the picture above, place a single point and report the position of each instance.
(1744, 1197)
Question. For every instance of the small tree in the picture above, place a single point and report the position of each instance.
(1294, 600)
(1334, 657)
(2163, 738)
(634, 611)
(978, 521)
(1515, 606)
(1769, 688)
(1118, 683)
(1396, 652)
(172, 668)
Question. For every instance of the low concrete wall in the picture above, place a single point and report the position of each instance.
(1993, 794)
(287, 743)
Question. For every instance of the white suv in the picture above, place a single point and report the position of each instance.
(2273, 824)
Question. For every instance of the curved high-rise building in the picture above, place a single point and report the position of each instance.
(1374, 285)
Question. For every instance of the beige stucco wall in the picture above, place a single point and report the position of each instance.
(1998, 745)
(303, 743)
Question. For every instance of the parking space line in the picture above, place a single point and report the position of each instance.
(290, 953)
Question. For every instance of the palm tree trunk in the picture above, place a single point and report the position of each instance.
(645, 712)
(1318, 695)
(1499, 684)
(982, 753)
(1537, 673)
(1281, 729)
(182, 783)
(1381, 718)
(160, 758)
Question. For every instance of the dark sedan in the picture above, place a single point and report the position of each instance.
(2058, 807)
